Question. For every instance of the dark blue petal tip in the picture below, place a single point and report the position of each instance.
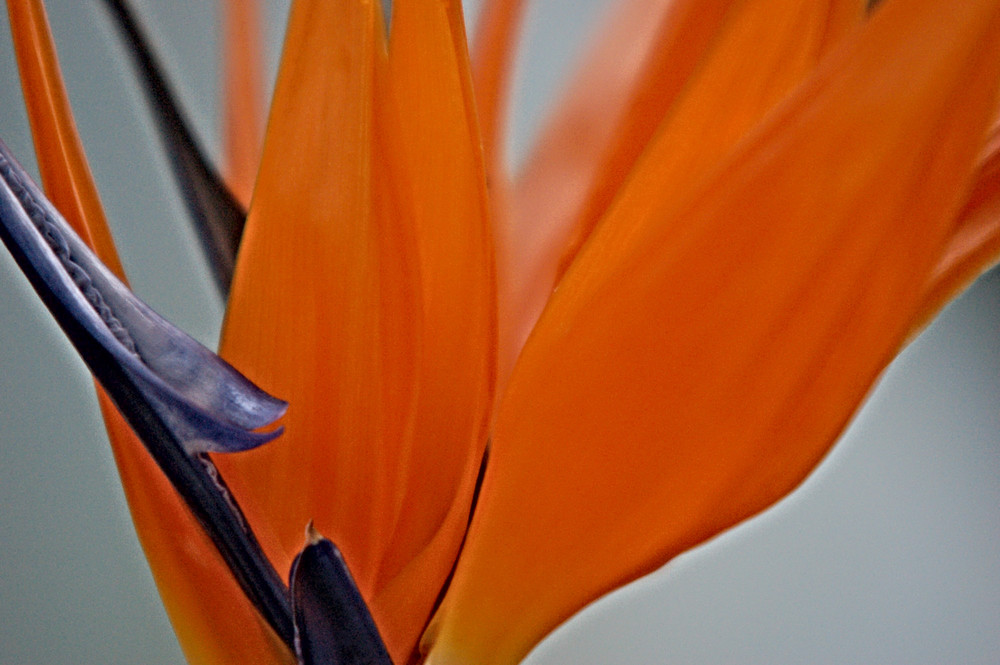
(332, 623)
(210, 405)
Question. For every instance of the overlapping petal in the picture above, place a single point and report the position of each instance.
(303, 315)
(678, 67)
(496, 42)
(540, 214)
(364, 297)
(702, 353)
(61, 161)
(440, 178)
(975, 240)
(727, 258)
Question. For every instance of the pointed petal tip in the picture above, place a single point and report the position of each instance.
(313, 536)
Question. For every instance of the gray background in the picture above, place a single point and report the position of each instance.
(889, 553)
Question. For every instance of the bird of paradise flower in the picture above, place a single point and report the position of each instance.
(529, 198)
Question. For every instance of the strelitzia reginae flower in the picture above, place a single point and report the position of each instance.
(652, 333)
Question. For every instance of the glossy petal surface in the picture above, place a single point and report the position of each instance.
(303, 311)
(657, 64)
(541, 213)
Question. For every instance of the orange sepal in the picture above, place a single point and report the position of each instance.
(726, 97)
(242, 94)
(701, 49)
(61, 161)
(548, 195)
(214, 622)
(497, 32)
(698, 361)
(302, 319)
(660, 63)
(433, 141)
(975, 241)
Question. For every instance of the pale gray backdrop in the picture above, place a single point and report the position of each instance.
(889, 554)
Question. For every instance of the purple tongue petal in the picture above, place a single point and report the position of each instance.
(209, 404)
(332, 623)
(179, 398)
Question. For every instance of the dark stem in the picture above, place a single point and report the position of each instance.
(217, 215)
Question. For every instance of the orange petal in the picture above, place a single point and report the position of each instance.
(975, 242)
(326, 308)
(549, 194)
(495, 45)
(698, 360)
(303, 318)
(493, 59)
(242, 94)
(214, 621)
(644, 74)
(434, 140)
(61, 161)
(364, 297)
(727, 97)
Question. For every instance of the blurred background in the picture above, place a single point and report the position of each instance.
(889, 553)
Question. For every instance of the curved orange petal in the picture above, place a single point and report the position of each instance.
(540, 213)
(494, 47)
(61, 161)
(495, 43)
(214, 621)
(645, 74)
(726, 98)
(434, 141)
(302, 319)
(699, 359)
(327, 311)
(364, 297)
(975, 242)
(242, 94)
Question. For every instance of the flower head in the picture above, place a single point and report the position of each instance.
(657, 329)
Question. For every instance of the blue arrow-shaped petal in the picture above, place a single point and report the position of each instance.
(180, 398)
